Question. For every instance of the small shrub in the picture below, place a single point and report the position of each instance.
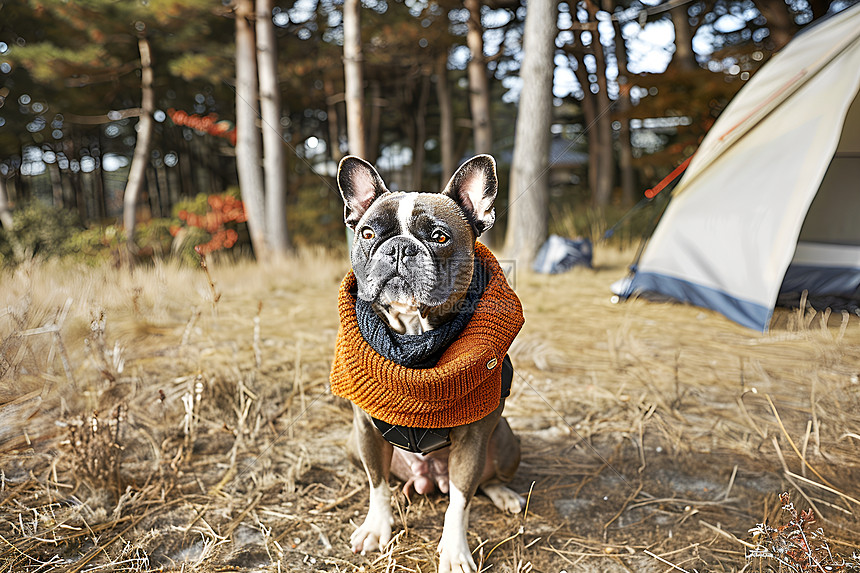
(96, 448)
(797, 546)
(96, 244)
(101, 243)
(39, 230)
(206, 224)
(154, 238)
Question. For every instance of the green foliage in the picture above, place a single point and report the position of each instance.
(101, 243)
(39, 230)
(153, 238)
(197, 205)
(97, 243)
(49, 232)
(80, 57)
(215, 65)
(49, 63)
(184, 242)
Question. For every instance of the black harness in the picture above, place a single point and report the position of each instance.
(426, 440)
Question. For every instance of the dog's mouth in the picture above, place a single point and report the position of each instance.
(404, 316)
(400, 291)
(402, 303)
(405, 307)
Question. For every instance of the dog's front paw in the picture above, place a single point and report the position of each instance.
(454, 555)
(504, 498)
(374, 534)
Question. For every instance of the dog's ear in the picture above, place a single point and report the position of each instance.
(474, 187)
(359, 185)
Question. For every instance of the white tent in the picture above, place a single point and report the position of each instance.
(771, 200)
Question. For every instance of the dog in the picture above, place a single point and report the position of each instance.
(417, 271)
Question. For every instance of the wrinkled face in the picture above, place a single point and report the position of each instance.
(413, 250)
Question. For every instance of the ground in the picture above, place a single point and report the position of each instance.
(160, 420)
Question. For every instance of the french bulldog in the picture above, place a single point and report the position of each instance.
(413, 257)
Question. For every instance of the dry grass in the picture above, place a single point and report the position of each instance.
(155, 420)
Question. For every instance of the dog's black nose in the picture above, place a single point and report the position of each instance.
(400, 253)
(398, 250)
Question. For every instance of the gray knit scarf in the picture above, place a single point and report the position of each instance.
(420, 350)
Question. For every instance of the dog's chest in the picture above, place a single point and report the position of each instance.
(421, 472)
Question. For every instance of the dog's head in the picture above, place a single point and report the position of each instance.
(415, 251)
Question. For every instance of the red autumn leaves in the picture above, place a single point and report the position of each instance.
(223, 209)
(204, 123)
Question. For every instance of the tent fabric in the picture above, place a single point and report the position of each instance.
(731, 230)
(824, 269)
(559, 254)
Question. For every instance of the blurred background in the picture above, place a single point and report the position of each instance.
(149, 128)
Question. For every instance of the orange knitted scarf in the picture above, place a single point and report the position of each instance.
(463, 387)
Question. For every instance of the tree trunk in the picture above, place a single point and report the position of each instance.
(186, 172)
(273, 144)
(446, 119)
(156, 207)
(333, 120)
(589, 113)
(56, 184)
(5, 213)
(248, 147)
(819, 8)
(376, 105)
(81, 196)
(140, 157)
(528, 203)
(98, 184)
(102, 188)
(603, 129)
(779, 22)
(479, 85)
(625, 152)
(420, 115)
(625, 148)
(404, 105)
(13, 188)
(68, 192)
(160, 175)
(684, 58)
(353, 62)
(171, 178)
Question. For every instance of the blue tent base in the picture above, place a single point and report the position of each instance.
(841, 282)
(820, 288)
(836, 288)
(745, 313)
(819, 302)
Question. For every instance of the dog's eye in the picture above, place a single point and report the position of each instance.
(367, 233)
(439, 237)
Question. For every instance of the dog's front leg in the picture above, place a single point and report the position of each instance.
(374, 452)
(465, 466)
